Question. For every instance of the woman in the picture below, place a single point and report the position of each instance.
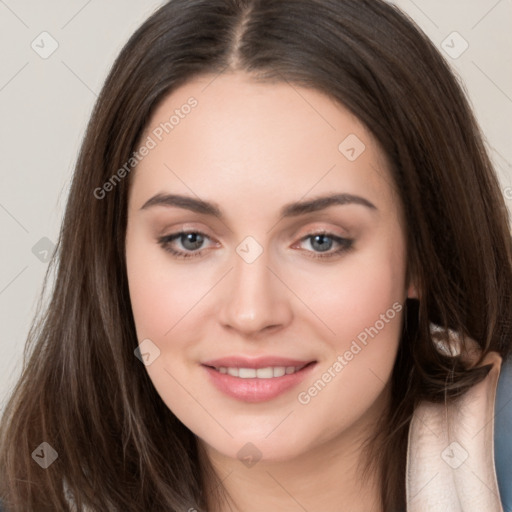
(283, 277)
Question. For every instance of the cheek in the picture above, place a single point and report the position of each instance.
(160, 294)
(365, 311)
(360, 291)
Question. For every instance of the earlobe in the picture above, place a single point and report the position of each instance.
(412, 292)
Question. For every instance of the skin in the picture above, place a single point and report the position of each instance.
(252, 148)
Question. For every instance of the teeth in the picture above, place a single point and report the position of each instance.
(279, 371)
(233, 372)
(264, 373)
(246, 373)
(260, 373)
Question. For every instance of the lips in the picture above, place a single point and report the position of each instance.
(256, 379)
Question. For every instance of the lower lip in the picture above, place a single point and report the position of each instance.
(256, 390)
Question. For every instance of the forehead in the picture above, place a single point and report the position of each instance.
(220, 134)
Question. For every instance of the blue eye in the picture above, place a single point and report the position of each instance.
(190, 240)
(324, 242)
(193, 242)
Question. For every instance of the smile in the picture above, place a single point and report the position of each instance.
(257, 384)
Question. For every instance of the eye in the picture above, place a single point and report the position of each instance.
(323, 242)
(191, 241)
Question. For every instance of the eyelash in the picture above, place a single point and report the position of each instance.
(346, 244)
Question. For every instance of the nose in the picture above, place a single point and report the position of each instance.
(255, 299)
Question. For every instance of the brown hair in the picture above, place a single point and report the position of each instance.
(84, 392)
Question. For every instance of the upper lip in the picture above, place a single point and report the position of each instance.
(256, 362)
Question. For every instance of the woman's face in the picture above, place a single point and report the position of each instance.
(295, 300)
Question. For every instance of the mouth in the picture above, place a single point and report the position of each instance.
(257, 382)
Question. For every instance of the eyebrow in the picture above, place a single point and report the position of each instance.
(290, 210)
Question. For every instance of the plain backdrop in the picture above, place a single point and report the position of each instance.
(46, 100)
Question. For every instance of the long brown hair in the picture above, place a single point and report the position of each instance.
(84, 392)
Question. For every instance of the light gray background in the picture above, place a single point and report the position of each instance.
(45, 104)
